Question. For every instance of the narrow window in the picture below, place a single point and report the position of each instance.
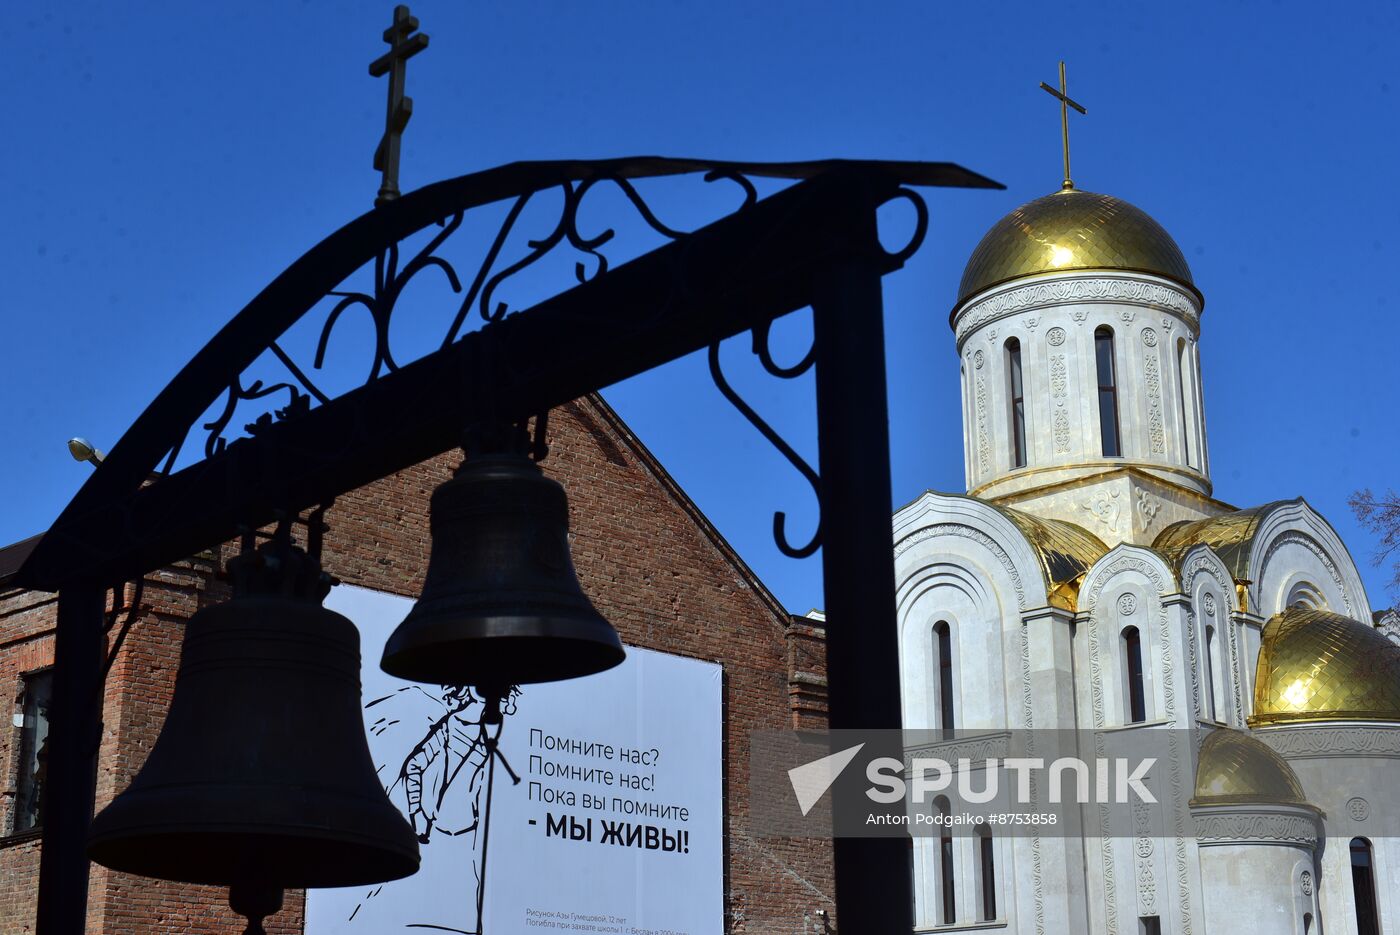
(1016, 392)
(1363, 888)
(943, 639)
(1132, 657)
(1149, 925)
(989, 873)
(1210, 673)
(1108, 393)
(1181, 371)
(915, 866)
(33, 750)
(945, 859)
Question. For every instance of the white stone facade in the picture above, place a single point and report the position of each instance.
(1029, 651)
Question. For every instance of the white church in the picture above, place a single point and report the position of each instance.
(1090, 580)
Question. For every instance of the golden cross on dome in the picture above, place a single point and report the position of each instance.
(1066, 102)
(402, 46)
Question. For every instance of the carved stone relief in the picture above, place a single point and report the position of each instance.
(1262, 829)
(1148, 506)
(1153, 379)
(1103, 507)
(1059, 385)
(984, 445)
(1075, 291)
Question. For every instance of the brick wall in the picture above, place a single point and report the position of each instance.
(647, 558)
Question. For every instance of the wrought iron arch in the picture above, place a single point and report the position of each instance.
(813, 244)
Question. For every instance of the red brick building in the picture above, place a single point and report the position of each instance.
(647, 557)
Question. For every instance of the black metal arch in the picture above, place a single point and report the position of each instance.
(104, 523)
(814, 244)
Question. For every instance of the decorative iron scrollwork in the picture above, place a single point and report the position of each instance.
(764, 353)
(480, 296)
(920, 224)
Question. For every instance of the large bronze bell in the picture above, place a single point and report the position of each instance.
(501, 603)
(261, 778)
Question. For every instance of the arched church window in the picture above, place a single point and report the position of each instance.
(1363, 887)
(1016, 393)
(1210, 673)
(943, 650)
(986, 853)
(945, 859)
(1132, 666)
(1182, 370)
(1108, 393)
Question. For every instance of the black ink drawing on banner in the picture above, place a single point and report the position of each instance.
(431, 753)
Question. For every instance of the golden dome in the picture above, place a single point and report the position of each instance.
(1235, 768)
(1073, 230)
(1320, 666)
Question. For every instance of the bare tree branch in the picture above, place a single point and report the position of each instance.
(1381, 515)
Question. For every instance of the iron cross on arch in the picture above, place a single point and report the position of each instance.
(403, 45)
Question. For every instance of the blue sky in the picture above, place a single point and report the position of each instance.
(164, 161)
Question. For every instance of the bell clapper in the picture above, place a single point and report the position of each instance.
(255, 902)
(492, 722)
(492, 697)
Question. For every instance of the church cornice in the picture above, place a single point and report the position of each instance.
(1069, 289)
(1288, 825)
(1376, 739)
(1107, 473)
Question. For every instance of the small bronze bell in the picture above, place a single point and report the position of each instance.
(261, 778)
(501, 602)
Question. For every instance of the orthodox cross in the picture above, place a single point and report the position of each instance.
(394, 63)
(1066, 102)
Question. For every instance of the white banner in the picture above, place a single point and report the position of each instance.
(616, 824)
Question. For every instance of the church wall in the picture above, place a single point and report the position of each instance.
(1349, 771)
(954, 553)
(646, 557)
(1152, 875)
(1251, 887)
(951, 589)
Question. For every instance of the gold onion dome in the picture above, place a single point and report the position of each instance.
(1073, 230)
(1320, 666)
(1234, 768)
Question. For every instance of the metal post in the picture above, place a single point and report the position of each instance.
(71, 775)
(874, 887)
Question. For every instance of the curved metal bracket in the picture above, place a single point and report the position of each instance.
(776, 440)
